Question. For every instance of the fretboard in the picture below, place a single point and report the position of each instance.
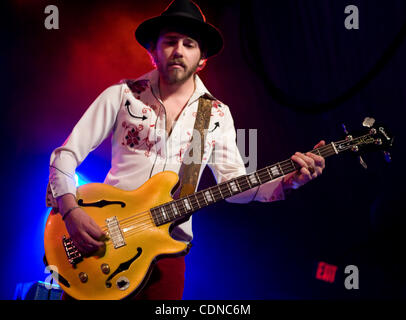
(176, 209)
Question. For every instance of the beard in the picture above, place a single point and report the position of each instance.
(176, 75)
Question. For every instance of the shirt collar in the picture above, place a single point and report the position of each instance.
(200, 89)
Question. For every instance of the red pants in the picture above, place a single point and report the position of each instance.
(165, 283)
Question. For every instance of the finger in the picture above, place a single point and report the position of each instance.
(306, 175)
(318, 160)
(80, 246)
(299, 159)
(91, 243)
(320, 144)
(95, 231)
(308, 161)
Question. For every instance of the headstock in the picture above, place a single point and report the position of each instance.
(376, 137)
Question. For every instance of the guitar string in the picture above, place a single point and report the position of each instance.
(284, 165)
(133, 232)
(144, 226)
(141, 226)
(141, 219)
(129, 220)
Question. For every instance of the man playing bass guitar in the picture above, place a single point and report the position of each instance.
(151, 120)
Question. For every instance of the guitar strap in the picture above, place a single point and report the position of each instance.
(189, 170)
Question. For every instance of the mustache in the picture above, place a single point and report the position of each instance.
(176, 62)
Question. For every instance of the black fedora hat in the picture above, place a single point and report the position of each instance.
(183, 15)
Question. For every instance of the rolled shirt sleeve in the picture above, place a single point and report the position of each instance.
(226, 163)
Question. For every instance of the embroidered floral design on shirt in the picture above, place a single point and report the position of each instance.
(132, 138)
(216, 104)
(138, 86)
(180, 155)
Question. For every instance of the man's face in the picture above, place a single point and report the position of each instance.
(177, 57)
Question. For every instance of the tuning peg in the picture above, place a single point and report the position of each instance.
(345, 129)
(362, 162)
(368, 122)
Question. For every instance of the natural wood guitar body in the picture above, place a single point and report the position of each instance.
(93, 277)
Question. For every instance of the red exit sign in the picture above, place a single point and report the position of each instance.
(326, 272)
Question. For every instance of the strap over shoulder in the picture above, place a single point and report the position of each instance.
(190, 168)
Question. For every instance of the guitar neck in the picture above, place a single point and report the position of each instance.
(179, 208)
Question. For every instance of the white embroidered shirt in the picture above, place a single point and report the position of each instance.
(135, 115)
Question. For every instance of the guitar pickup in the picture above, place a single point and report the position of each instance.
(115, 232)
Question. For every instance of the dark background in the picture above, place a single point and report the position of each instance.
(289, 69)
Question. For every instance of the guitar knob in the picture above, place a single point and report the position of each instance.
(105, 268)
(83, 277)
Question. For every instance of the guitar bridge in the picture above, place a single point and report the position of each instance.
(73, 254)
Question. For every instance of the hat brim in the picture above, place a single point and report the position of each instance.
(149, 30)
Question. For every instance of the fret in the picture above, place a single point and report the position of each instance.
(259, 179)
(211, 192)
(204, 197)
(326, 151)
(170, 213)
(159, 216)
(221, 194)
(153, 215)
(187, 204)
(237, 183)
(227, 189)
(269, 173)
(253, 179)
(280, 168)
(288, 166)
(233, 187)
(183, 210)
(175, 209)
(208, 196)
(242, 183)
(197, 200)
(334, 147)
(293, 164)
(275, 171)
(265, 175)
(164, 216)
(248, 181)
